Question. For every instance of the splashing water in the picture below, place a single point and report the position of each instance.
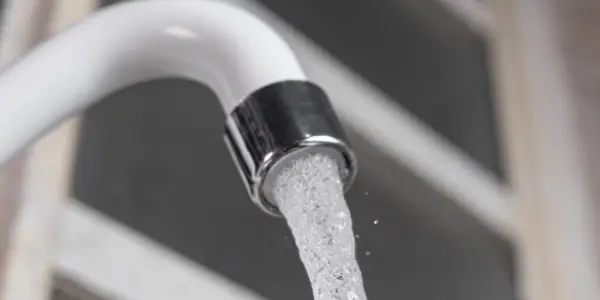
(310, 195)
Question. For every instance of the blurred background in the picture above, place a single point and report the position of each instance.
(155, 204)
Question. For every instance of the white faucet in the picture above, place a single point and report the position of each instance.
(272, 112)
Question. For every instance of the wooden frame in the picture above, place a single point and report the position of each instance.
(40, 180)
(547, 67)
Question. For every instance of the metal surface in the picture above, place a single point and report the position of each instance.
(277, 123)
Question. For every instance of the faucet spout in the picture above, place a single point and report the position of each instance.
(226, 48)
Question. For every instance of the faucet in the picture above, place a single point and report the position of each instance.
(272, 112)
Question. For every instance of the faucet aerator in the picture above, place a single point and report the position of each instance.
(278, 123)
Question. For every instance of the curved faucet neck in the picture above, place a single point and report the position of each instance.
(214, 43)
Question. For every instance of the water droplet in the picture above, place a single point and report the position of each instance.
(368, 253)
(366, 193)
(376, 222)
(357, 236)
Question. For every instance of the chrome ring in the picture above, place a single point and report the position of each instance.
(276, 124)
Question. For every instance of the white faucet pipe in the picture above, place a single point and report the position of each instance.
(230, 50)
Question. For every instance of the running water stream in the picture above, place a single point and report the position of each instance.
(310, 195)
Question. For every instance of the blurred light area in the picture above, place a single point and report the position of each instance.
(117, 263)
(475, 13)
(180, 32)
